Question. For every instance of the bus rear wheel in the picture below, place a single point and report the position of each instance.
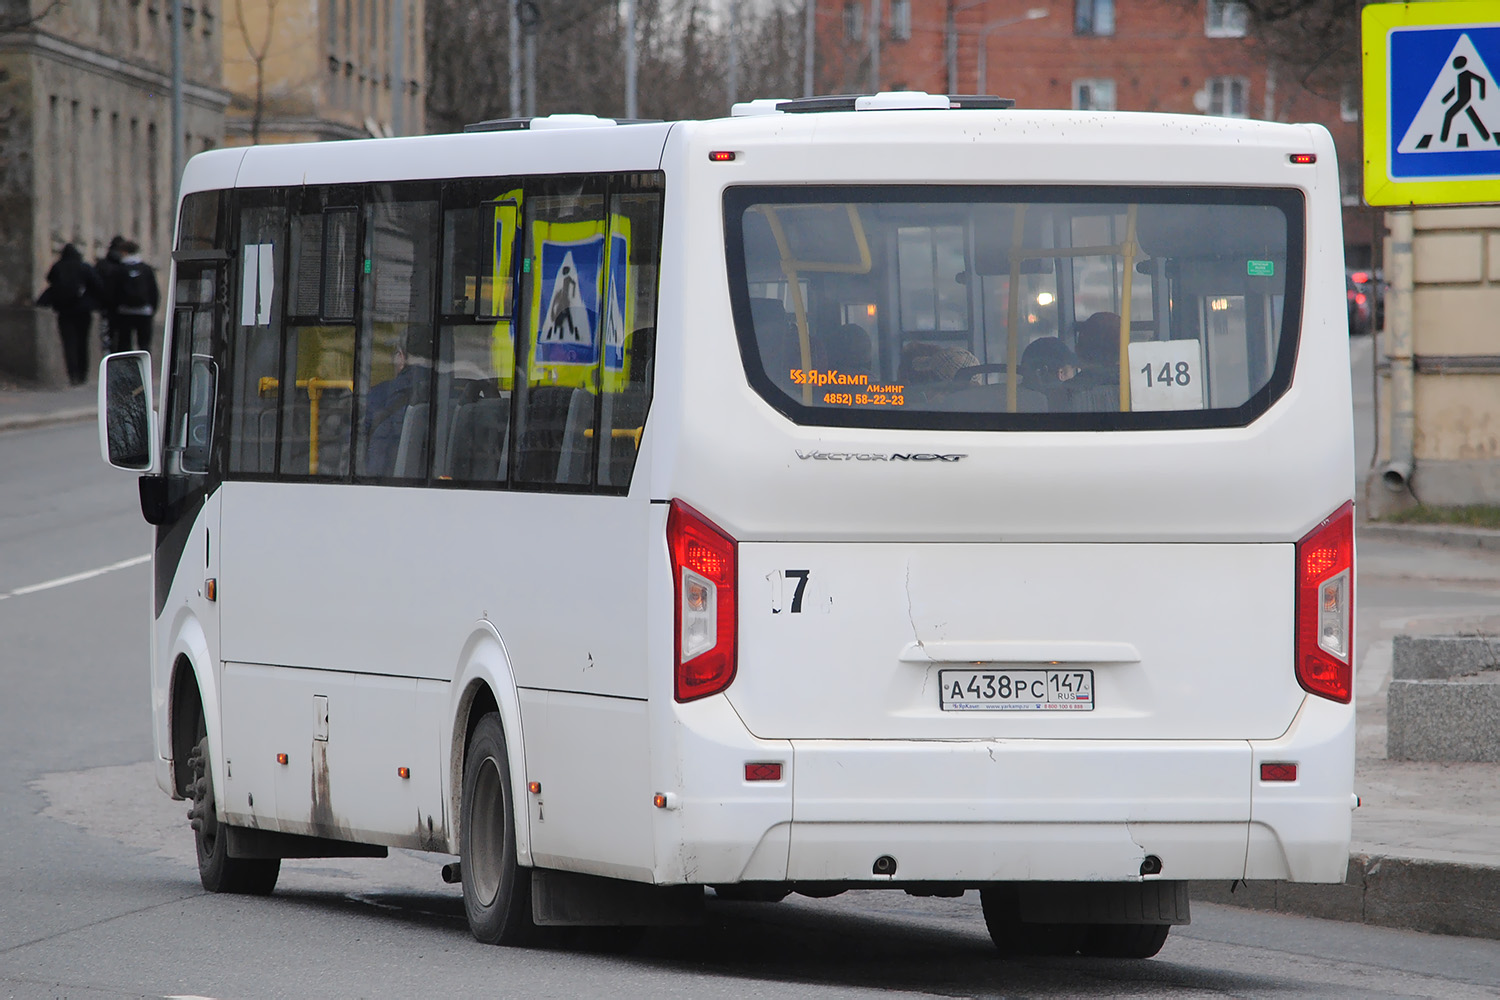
(1124, 940)
(497, 890)
(216, 869)
(1016, 939)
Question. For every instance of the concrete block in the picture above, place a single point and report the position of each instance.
(1437, 897)
(1445, 258)
(1456, 218)
(1458, 419)
(1439, 657)
(1494, 256)
(1454, 320)
(1452, 720)
(1325, 901)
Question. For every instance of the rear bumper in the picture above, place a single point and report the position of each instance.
(1010, 810)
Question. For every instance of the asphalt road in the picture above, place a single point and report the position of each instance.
(99, 895)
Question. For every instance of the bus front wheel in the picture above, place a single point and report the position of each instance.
(216, 869)
(497, 890)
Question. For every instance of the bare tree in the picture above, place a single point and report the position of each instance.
(682, 54)
(257, 55)
(1314, 43)
(16, 15)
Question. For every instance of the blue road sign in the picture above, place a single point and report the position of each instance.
(1444, 102)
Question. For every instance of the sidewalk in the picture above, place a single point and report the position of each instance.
(1426, 844)
(24, 407)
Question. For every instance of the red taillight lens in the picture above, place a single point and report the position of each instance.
(1325, 607)
(703, 568)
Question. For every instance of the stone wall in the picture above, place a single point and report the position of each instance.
(86, 132)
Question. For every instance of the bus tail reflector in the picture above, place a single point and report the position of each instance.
(1278, 772)
(704, 566)
(1325, 607)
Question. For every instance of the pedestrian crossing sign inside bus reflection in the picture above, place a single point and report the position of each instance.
(565, 303)
(1432, 102)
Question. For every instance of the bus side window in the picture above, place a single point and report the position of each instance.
(394, 383)
(255, 326)
(630, 333)
(566, 236)
(317, 380)
(475, 358)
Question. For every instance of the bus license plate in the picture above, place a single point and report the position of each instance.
(1017, 690)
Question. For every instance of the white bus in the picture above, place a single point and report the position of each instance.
(897, 492)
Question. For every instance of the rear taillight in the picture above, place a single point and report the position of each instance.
(703, 569)
(1325, 607)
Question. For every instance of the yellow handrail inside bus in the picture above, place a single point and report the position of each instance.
(791, 267)
(1013, 335)
(315, 388)
(633, 433)
(1127, 251)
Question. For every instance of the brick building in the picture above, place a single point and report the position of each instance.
(1182, 56)
(86, 145)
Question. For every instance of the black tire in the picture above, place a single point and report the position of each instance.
(216, 869)
(497, 890)
(1014, 939)
(1124, 940)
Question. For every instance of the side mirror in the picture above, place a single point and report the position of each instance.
(127, 421)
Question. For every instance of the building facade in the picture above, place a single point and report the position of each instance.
(1438, 395)
(86, 146)
(309, 70)
(1179, 56)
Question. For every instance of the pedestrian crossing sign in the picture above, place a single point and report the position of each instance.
(1432, 102)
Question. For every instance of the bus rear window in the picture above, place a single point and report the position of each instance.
(1024, 308)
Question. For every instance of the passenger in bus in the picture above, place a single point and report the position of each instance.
(1097, 344)
(1048, 367)
(386, 404)
(776, 334)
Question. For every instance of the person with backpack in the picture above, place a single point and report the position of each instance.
(73, 292)
(135, 297)
(106, 267)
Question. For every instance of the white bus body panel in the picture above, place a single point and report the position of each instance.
(361, 579)
(1178, 545)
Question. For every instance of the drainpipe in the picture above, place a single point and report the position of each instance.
(1398, 313)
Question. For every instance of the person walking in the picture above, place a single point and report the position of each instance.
(136, 297)
(73, 292)
(107, 267)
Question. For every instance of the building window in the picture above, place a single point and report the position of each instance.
(1226, 19)
(901, 20)
(1228, 96)
(1094, 95)
(1093, 17)
(854, 20)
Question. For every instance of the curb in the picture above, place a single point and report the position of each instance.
(1435, 897)
(23, 421)
(1434, 534)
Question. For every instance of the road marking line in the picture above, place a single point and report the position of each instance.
(63, 581)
